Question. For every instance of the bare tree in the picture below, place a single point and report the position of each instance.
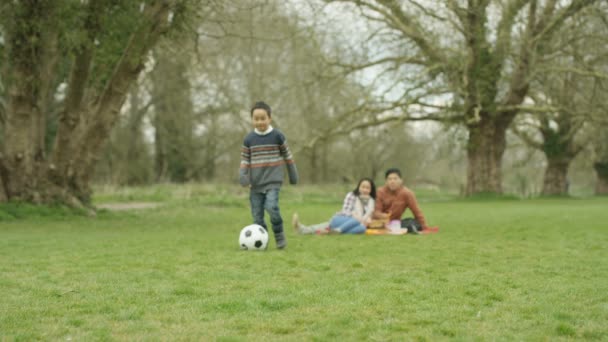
(473, 61)
(245, 60)
(567, 98)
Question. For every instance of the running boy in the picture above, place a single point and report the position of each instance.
(263, 155)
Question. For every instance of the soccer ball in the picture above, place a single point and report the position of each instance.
(253, 238)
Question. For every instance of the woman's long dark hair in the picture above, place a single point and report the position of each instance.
(373, 186)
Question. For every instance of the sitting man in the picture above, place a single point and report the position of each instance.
(393, 198)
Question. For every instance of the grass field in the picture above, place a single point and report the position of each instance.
(498, 270)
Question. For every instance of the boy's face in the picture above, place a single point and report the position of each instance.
(261, 120)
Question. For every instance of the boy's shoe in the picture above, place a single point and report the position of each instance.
(280, 240)
(412, 229)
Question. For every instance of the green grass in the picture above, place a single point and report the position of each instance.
(498, 270)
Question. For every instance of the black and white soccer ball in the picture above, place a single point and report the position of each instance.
(253, 238)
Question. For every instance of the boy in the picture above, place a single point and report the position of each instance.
(263, 155)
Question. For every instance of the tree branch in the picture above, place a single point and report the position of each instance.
(394, 60)
(412, 30)
(547, 26)
(577, 71)
(434, 15)
(526, 138)
(375, 121)
(528, 108)
(503, 39)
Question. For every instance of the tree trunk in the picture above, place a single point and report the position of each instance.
(485, 148)
(25, 173)
(601, 169)
(23, 112)
(106, 108)
(314, 159)
(3, 177)
(69, 119)
(161, 164)
(325, 162)
(47, 83)
(174, 114)
(556, 177)
(62, 159)
(211, 148)
(136, 149)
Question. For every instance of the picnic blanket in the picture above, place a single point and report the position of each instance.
(398, 231)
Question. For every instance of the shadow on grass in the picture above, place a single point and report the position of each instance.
(490, 196)
(20, 210)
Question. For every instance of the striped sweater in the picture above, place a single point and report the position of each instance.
(262, 160)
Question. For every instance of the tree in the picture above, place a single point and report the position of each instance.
(127, 157)
(246, 60)
(473, 63)
(600, 164)
(106, 44)
(567, 98)
(173, 119)
(558, 127)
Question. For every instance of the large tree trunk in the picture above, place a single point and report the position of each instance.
(62, 159)
(556, 177)
(601, 169)
(559, 149)
(25, 173)
(485, 148)
(23, 113)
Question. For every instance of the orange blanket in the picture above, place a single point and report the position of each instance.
(388, 231)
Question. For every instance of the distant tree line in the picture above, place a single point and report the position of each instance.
(458, 94)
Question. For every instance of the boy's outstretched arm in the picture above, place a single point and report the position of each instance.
(292, 171)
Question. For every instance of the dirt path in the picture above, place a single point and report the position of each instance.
(129, 206)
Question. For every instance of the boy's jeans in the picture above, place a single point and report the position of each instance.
(269, 201)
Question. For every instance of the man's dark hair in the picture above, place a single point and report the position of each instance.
(261, 105)
(392, 170)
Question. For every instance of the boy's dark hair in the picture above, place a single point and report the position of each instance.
(372, 193)
(392, 170)
(261, 105)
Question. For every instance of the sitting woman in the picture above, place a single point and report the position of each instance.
(354, 217)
